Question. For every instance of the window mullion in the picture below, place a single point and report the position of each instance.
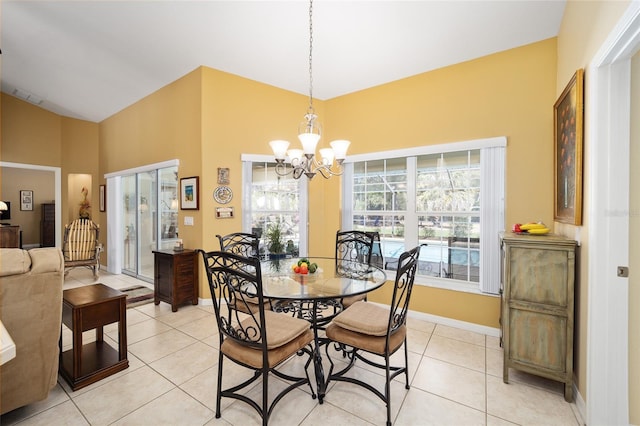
(411, 216)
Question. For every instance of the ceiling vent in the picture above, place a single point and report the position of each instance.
(26, 96)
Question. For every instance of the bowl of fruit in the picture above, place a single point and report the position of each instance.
(305, 271)
(304, 267)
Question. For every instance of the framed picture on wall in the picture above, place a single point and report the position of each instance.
(189, 199)
(223, 175)
(26, 200)
(568, 113)
(103, 199)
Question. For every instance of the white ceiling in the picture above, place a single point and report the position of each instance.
(91, 59)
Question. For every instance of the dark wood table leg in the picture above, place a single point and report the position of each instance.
(77, 343)
(122, 331)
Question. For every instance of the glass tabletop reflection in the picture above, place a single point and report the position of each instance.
(332, 279)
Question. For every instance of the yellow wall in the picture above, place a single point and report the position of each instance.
(80, 157)
(585, 26)
(506, 94)
(163, 126)
(31, 135)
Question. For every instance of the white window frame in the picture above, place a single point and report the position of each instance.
(303, 198)
(492, 205)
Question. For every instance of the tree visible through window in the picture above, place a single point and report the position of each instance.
(430, 198)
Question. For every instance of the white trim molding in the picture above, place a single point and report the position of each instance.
(608, 109)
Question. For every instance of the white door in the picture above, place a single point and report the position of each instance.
(608, 110)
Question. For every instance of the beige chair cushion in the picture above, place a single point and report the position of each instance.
(348, 301)
(365, 318)
(14, 261)
(366, 342)
(285, 336)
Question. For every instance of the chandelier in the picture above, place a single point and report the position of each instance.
(303, 161)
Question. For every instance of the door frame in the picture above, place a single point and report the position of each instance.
(609, 107)
(57, 183)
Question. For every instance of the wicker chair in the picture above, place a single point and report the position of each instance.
(370, 328)
(81, 246)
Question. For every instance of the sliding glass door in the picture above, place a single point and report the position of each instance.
(150, 218)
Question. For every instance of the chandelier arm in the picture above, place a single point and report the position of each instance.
(282, 169)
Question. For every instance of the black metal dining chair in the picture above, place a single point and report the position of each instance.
(244, 244)
(353, 247)
(259, 341)
(247, 245)
(370, 328)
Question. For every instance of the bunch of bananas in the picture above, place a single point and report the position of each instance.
(531, 228)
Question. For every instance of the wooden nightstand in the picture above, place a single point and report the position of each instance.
(175, 277)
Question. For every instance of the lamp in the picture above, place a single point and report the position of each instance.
(3, 206)
(303, 161)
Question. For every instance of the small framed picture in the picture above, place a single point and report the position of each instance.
(189, 198)
(223, 175)
(103, 199)
(224, 212)
(26, 200)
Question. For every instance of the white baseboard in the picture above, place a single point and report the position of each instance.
(469, 326)
(580, 404)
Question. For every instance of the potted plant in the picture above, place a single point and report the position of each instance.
(275, 240)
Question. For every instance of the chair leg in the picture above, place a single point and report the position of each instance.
(387, 388)
(219, 393)
(406, 365)
(265, 396)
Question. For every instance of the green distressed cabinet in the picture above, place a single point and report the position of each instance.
(537, 285)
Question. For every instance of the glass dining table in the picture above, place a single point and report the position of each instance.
(317, 296)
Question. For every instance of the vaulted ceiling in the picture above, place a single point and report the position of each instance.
(91, 59)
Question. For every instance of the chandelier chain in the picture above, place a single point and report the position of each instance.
(311, 56)
(303, 162)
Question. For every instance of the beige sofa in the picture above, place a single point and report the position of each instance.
(31, 311)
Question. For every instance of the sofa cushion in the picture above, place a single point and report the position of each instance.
(14, 261)
(46, 259)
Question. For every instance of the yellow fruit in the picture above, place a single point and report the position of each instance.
(529, 226)
(539, 231)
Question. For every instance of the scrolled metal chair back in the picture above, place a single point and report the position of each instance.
(353, 251)
(403, 286)
(247, 245)
(234, 282)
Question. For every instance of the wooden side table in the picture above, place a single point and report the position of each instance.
(175, 277)
(86, 308)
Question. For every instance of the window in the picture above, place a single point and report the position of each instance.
(273, 199)
(450, 198)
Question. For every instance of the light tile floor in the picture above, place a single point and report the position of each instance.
(456, 379)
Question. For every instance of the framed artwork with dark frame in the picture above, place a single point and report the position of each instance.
(189, 199)
(103, 198)
(26, 200)
(568, 114)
